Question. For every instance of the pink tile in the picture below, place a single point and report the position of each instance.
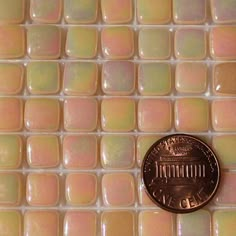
(43, 151)
(222, 42)
(80, 223)
(117, 42)
(163, 219)
(14, 48)
(117, 11)
(46, 11)
(154, 115)
(223, 114)
(42, 114)
(42, 189)
(191, 77)
(80, 152)
(44, 42)
(118, 77)
(80, 114)
(226, 192)
(12, 120)
(38, 223)
(118, 189)
(81, 189)
(11, 78)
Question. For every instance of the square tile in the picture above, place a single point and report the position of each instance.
(154, 115)
(38, 223)
(43, 77)
(42, 189)
(154, 43)
(11, 189)
(190, 44)
(158, 217)
(43, 151)
(223, 112)
(80, 223)
(224, 146)
(14, 48)
(12, 108)
(11, 147)
(191, 115)
(80, 11)
(118, 223)
(80, 78)
(226, 194)
(118, 189)
(80, 114)
(144, 142)
(117, 151)
(198, 220)
(224, 222)
(185, 13)
(191, 77)
(44, 42)
(81, 42)
(46, 11)
(117, 42)
(224, 80)
(81, 189)
(221, 48)
(117, 11)
(10, 223)
(42, 114)
(80, 151)
(121, 119)
(11, 78)
(118, 77)
(12, 11)
(152, 12)
(223, 12)
(154, 79)
(144, 199)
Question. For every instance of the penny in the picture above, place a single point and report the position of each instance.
(180, 173)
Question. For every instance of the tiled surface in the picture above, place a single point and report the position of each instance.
(86, 86)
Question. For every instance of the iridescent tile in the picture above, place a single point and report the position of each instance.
(154, 11)
(15, 47)
(120, 119)
(80, 11)
(80, 78)
(118, 77)
(222, 42)
(154, 43)
(44, 42)
(11, 78)
(12, 11)
(223, 12)
(154, 115)
(190, 44)
(185, 13)
(191, 115)
(46, 11)
(117, 11)
(117, 42)
(81, 42)
(154, 79)
(117, 151)
(43, 77)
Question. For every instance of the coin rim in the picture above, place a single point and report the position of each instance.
(169, 208)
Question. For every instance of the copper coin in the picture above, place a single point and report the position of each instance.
(181, 173)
